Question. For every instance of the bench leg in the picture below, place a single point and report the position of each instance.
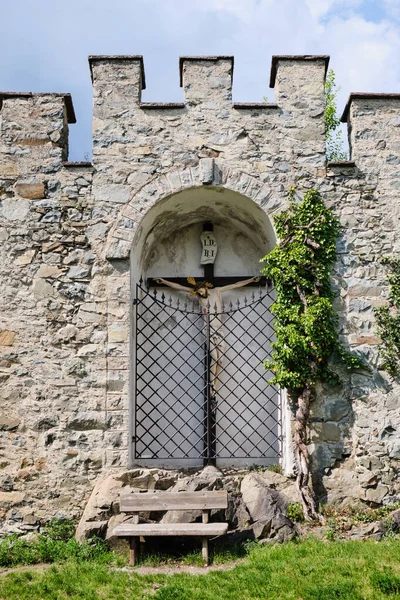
(204, 550)
(133, 550)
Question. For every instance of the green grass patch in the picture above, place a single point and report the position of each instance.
(56, 543)
(309, 570)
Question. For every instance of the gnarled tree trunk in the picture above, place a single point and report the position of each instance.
(302, 455)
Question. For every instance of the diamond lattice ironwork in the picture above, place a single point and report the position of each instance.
(201, 390)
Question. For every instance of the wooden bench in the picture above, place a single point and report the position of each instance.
(160, 501)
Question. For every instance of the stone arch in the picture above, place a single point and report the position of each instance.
(207, 173)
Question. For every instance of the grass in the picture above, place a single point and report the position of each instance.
(56, 543)
(308, 570)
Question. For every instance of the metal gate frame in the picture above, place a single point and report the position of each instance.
(144, 302)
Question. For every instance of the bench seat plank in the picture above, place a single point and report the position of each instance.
(167, 529)
(153, 501)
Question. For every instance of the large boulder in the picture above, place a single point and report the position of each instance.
(267, 509)
(255, 506)
(207, 479)
(395, 522)
(103, 503)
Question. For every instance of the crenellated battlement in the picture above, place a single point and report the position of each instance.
(39, 121)
(373, 122)
(34, 129)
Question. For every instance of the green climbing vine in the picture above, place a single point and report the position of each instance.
(333, 135)
(305, 320)
(388, 319)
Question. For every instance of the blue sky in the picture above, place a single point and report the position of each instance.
(45, 43)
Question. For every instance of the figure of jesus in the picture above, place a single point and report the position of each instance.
(211, 301)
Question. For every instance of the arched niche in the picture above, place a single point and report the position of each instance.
(235, 218)
(167, 244)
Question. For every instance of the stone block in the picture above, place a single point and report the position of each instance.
(11, 498)
(9, 422)
(49, 271)
(25, 258)
(42, 290)
(32, 191)
(118, 333)
(15, 210)
(113, 193)
(7, 337)
(8, 169)
(87, 422)
(207, 171)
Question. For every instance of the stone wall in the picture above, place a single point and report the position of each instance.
(67, 231)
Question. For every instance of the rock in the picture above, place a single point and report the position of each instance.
(284, 485)
(15, 210)
(102, 504)
(375, 531)
(32, 191)
(236, 514)
(7, 337)
(8, 169)
(207, 170)
(396, 521)
(267, 509)
(87, 422)
(66, 333)
(377, 494)
(342, 486)
(45, 423)
(119, 194)
(79, 272)
(48, 271)
(207, 479)
(8, 422)
(25, 258)
(91, 529)
(12, 498)
(42, 289)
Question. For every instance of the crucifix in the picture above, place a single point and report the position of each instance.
(209, 293)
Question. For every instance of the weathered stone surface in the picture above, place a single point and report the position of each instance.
(267, 509)
(207, 479)
(375, 531)
(14, 209)
(7, 337)
(48, 271)
(9, 423)
(86, 422)
(396, 521)
(11, 498)
(8, 169)
(112, 193)
(25, 258)
(42, 289)
(32, 191)
(71, 249)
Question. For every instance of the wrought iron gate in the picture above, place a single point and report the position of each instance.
(200, 387)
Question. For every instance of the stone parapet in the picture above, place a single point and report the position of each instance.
(34, 132)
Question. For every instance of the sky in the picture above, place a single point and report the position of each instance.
(44, 45)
